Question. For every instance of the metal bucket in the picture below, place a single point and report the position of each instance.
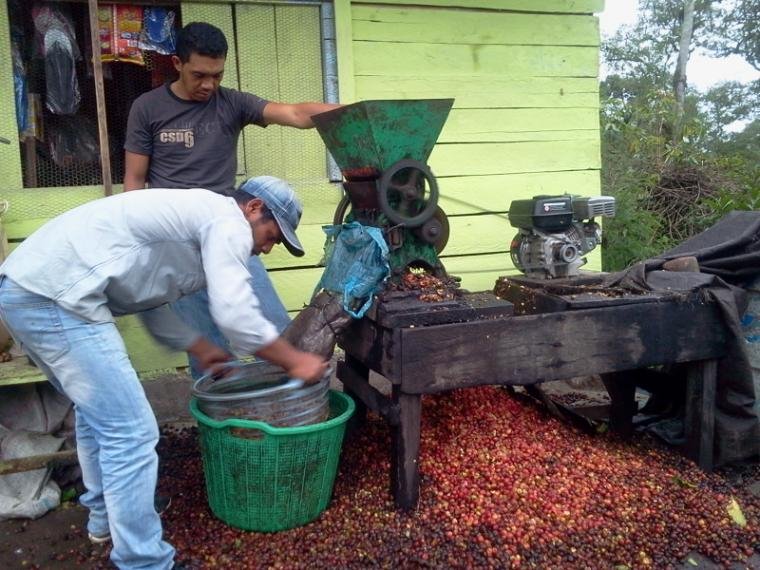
(261, 391)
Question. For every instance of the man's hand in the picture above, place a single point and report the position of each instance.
(210, 357)
(309, 367)
(298, 364)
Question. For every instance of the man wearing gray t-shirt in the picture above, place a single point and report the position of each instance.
(184, 135)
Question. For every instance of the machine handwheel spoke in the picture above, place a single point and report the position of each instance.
(406, 203)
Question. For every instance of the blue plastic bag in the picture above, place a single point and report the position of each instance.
(158, 33)
(356, 265)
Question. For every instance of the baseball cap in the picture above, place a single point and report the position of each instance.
(284, 205)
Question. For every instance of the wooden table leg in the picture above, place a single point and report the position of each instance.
(699, 421)
(621, 387)
(360, 370)
(405, 474)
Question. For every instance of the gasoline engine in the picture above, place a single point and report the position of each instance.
(555, 232)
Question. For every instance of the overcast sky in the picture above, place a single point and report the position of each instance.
(702, 72)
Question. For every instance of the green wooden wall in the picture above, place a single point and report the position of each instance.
(525, 117)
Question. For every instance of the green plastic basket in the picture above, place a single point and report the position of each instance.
(265, 478)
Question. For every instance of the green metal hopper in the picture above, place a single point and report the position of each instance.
(376, 134)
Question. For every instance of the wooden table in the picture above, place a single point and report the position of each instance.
(529, 349)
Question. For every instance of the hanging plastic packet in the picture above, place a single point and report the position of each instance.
(106, 33)
(128, 22)
(158, 32)
(119, 28)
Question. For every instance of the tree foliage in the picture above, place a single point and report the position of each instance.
(735, 31)
(674, 170)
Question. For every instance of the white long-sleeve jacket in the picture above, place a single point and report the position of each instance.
(137, 251)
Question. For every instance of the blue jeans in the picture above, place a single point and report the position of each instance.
(193, 310)
(116, 429)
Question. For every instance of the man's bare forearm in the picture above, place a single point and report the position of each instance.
(132, 182)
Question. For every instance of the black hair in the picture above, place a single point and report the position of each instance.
(243, 197)
(201, 38)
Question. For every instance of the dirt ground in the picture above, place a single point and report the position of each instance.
(58, 539)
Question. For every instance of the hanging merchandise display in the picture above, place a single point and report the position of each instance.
(56, 42)
(73, 142)
(119, 28)
(158, 33)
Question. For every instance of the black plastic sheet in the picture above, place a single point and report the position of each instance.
(728, 254)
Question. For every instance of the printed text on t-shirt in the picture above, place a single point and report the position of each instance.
(185, 136)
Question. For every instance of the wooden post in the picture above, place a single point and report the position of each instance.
(621, 387)
(33, 462)
(354, 374)
(100, 98)
(699, 423)
(405, 469)
(30, 160)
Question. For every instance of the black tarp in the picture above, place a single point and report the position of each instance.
(728, 254)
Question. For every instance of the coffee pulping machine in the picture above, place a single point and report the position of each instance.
(381, 148)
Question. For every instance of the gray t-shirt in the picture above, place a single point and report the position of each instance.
(191, 144)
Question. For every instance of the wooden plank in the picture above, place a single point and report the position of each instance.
(403, 310)
(372, 346)
(10, 154)
(479, 272)
(487, 233)
(566, 6)
(295, 286)
(621, 386)
(558, 6)
(483, 90)
(537, 348)
(484, 133)
(361, 372)
(100, 99)
(30, 162)
(359, 387)
(447, 26)
(471, 159)
(405, 444)
(19, 371)
(509, 125)
(41, 461)
(313, 240)
(699, 419)
(494, 193)
(344, 47)
(32, 207)
(412, 59)
(145, 354)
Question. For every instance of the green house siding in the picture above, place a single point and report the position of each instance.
(525, 117)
